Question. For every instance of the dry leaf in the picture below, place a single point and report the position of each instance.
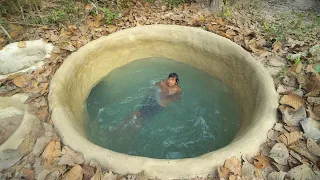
(41, 143)
(70, 157)
(223, 172)
(97, 175)
(294, 118)
(293, 128)
(302, 149)
(109, 176)
(313, 147)
(276, 175)
(261, 161)
(314, 100)
(8, 158)
(309, 68)
(279, 127)
(316, 112)
(290, 138)
(54, 37)
(75, 173)
(282, 89)
(309, 129)
(265, 149)
(273, 135)
(302, 172)
(22, 44)
(52, 151)
(299, 68)
(28, 174)
(234, 165)
(19, 81)
(280, 167)
(27, 144)
(88, 172)
(277, 46)
(248, 171)
(279, 153)
(292, 100)
(295, 155)
(69, 47)
(231, 32)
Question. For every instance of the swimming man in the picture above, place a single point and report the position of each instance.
(166, 91)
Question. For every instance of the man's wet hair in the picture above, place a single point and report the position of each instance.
(174, 75)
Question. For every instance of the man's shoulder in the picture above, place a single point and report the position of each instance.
(178, 88)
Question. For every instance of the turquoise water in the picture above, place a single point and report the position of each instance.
(205, 119)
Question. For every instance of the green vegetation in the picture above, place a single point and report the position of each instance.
(292, 24)
(174, 3)
(39, 11)
(109, 15)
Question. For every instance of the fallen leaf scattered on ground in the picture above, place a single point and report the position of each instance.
(292, 100)
(22, 44)
(279, 153)
(276, 176)
(289, 138)
(9, 158)
(234, 165)
(19, 81)
(109, 176)
(302, 172)
(302, 150)
(261, 161)
(223, 172)
(52, 151)
(70, 157)
(28, 174)
(309, 129)
(293, 118)
(75, 173)
(313, 147)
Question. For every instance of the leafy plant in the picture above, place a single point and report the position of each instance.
(175, 3)
(57, 16)
(109, 15)
(317, 69)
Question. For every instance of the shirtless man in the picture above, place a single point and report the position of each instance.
(166, 91)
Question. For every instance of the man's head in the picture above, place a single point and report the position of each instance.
(173, 79)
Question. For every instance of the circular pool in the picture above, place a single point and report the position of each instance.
(250, 84)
